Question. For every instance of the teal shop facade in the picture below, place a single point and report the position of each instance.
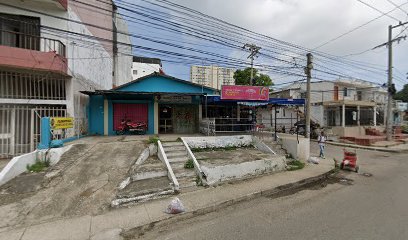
(166, 104)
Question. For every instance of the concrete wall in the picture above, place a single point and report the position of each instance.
(219, 141)
(124, 59)
(236, 171)
(18, 165)
(349, 131)
(299, 148)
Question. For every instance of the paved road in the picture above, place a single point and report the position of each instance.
(371, 208)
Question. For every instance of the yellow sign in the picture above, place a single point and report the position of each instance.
(61, 123)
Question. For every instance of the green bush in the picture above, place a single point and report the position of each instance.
(38, 166)
(295, 165)
(404, 128)
(189, 164)
(153, 139)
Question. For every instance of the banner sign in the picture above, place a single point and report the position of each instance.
(175, 99)
(61, 123)
(232, 92)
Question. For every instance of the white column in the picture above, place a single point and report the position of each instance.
(239, 112)
(105, 117)
(375, 116)
(358, 115)
(343, 116)
(156, 117)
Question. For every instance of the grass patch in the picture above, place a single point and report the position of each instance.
(295, 165)
(189, 164)
(153, 140)
(38, 166)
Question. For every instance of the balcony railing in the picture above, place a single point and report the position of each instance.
(26, 41)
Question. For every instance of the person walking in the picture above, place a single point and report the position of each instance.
(321, 140)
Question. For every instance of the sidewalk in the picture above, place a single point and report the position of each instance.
(109, 225)
(392, 149)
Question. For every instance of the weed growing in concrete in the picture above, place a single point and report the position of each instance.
(189, 164)
(295, 165)
(38, 166)
(198, 181)
(154, 140)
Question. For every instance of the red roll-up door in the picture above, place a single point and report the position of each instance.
(130, 111)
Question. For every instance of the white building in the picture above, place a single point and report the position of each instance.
(212, 76)
(48, 54)
(143, 66)
(344, 105)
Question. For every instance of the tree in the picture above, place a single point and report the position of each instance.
(243, 77)
(403, 94)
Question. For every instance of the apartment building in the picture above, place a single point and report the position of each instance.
(212, 76)
(49, 51)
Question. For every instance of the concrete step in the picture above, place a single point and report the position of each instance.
(187, 182)
(172, 144)
(175, 154)
(184, 173)
(174, 148)
(179, 159)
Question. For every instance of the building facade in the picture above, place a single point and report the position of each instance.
(143, 66)
(166, 104)
(49, 52)
(342, 104)
(212, 76)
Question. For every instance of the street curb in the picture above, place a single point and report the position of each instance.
(365, 147)
(275, 192)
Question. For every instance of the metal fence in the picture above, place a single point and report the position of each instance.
(20, 127)
(32, 42)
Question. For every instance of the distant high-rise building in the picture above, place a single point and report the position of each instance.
(212, 76)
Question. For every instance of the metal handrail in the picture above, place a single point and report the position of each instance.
(32, 42)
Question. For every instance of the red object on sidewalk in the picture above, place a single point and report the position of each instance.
(349, 160)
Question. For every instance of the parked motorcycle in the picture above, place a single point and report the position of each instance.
(127, 126)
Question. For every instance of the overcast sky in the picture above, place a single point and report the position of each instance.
(310, 23)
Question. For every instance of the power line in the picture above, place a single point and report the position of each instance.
(376, 9)
(358, 27)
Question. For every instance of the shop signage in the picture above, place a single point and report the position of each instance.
(61, 123)
(175, 99)
(232, 92)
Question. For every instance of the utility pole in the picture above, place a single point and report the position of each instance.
(254, 52)
(389, 103)
(308, 70)
(390, 85)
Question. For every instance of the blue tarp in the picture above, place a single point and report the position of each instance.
(272, 101)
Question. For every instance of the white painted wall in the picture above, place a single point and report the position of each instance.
(218, 174)
(124, 58)
(299, 148)
(143, 69)
(219, 141)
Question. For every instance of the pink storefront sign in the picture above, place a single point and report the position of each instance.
(232, 92)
